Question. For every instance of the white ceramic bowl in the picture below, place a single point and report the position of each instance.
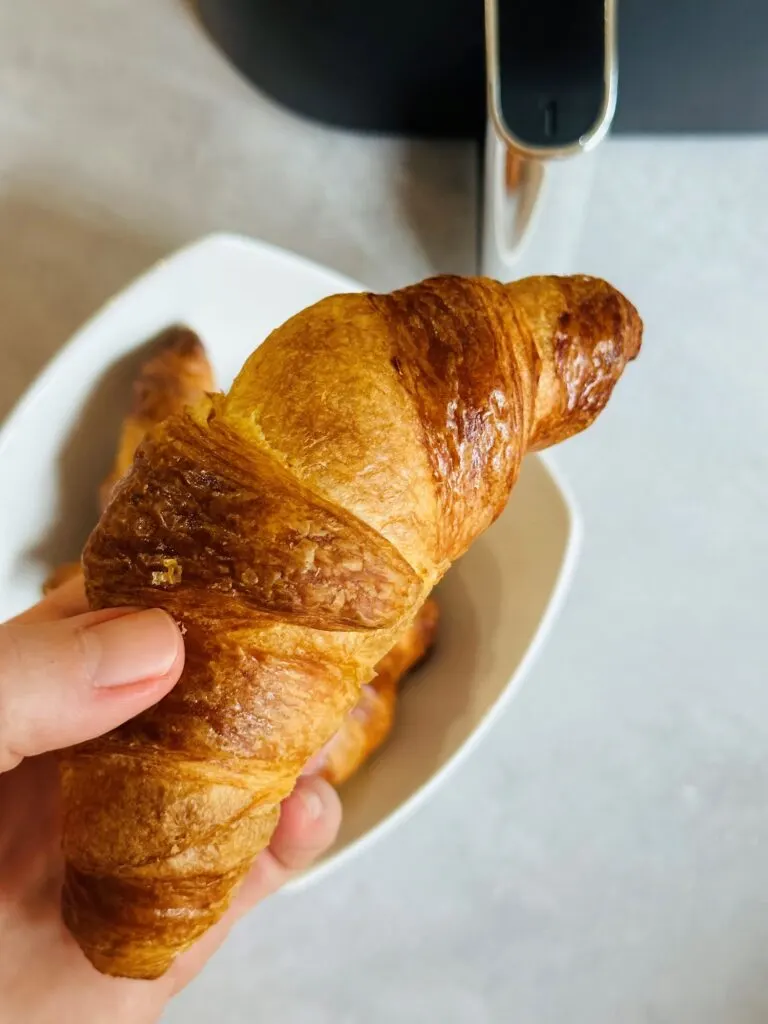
(498, 603)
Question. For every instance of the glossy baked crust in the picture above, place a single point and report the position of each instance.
(178, 374)
(370, 721)
(175, 376)
(294, 527)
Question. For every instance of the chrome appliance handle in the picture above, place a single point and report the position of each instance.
(532, 218)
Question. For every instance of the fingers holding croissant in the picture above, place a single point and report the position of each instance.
(294, 527)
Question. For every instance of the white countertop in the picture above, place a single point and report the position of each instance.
(602, 857)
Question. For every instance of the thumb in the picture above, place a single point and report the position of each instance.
(68, 681)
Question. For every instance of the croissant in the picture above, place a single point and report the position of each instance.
(370, 721)
(60, 575)
(294, 527)
(177, 374)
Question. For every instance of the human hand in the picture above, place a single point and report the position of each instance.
(67, 675)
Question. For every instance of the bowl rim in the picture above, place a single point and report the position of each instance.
(226, 239)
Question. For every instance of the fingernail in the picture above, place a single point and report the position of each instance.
(313, 803)
(132, 648)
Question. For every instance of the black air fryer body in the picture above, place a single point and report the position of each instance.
(417, 67)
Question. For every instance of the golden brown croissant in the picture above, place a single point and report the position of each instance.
(177, 374)
(370, 721)
(294, 527)
(61, 575)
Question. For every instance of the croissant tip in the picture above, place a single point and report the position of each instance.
(182, 340)
(633, 338)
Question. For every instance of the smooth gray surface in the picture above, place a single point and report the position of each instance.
(602, 857)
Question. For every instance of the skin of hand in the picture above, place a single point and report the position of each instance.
(67, 675)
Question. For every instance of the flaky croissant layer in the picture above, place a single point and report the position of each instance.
(294, 527)
(370, 721)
